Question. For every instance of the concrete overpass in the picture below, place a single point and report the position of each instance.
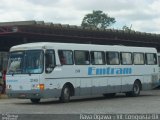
(13, 33)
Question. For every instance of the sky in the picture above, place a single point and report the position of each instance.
(140, 15)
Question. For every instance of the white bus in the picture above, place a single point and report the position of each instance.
(61, 70)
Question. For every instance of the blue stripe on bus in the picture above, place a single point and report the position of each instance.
(109, 71)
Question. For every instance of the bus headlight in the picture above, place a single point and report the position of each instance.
(38, 86)
(35, 86)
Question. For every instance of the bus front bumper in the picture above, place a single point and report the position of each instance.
(24, 94)
(37, 94)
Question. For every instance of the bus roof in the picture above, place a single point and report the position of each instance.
(74, 46)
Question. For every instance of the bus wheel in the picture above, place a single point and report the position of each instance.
(135, 90)
(65, 95)
(35, 100)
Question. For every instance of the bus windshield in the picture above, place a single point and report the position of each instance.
(26, 62)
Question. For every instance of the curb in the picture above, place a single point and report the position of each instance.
(3, 96)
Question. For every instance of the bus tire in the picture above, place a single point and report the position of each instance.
(135, 90)
(35, 100)
(65, 94)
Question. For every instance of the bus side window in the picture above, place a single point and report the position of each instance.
(151, 58)
(112, 58)
(126, 58)
(49, 61)
(138, 58)
(65, 57)
(97, 57)
(81, 57)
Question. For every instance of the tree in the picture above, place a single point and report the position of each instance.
(126, 28)
(97, 19)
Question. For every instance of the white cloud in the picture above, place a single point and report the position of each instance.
(144, 15)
